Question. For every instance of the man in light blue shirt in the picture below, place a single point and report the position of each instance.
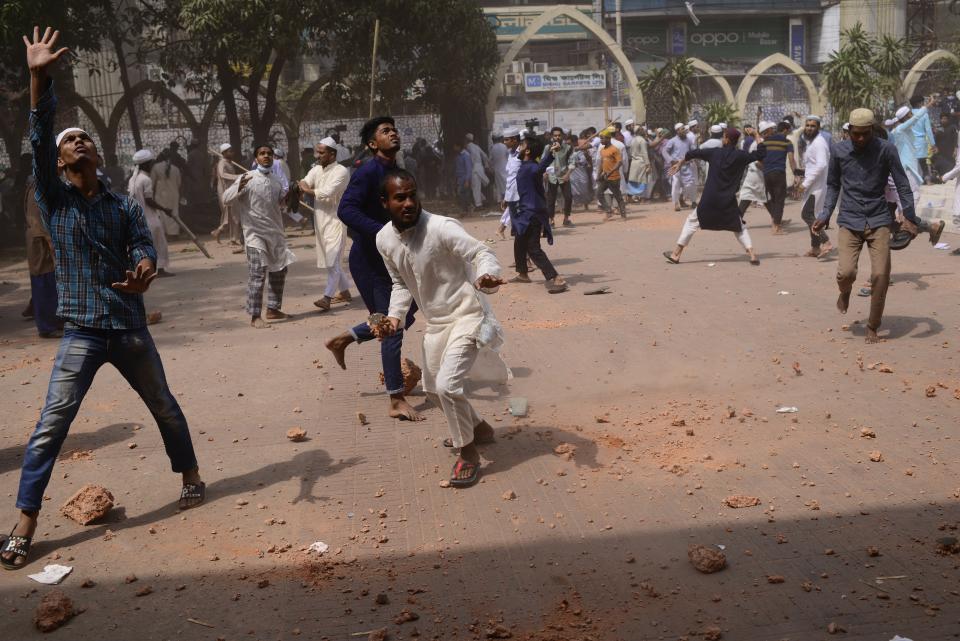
(922, 135)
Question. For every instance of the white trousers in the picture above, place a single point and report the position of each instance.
(477, 182)
(678, 188)
(337, 279)
(157, 230)
(448, 354)
(692, 225)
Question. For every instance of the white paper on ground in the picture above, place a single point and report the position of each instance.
(942, 246)
(787, 410)
(52, 574)
(319, 547)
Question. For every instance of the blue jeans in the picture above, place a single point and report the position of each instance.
(43, 291)
(375, 291)
(82, 352)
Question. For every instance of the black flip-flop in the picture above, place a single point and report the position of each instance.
(466, 482)
(557, 289)
(192, 491)
(670, 258)
(20, 546)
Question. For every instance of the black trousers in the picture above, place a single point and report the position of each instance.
(809, 215)
(564, 188)
(528, 244)
(776, 184)
(614, 187)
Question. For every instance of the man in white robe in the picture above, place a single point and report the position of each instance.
(259, 194)
(499, 154)
(433, 261)
(140, 188)
(167, 181)
(481, 162)
(815, 162)
(511, 138)
(226, 175)
(326, 182)
(683, 183)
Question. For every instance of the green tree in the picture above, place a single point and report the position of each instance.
(671, 81)
(717, 112)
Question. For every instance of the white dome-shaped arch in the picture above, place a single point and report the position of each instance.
(717, 77)
(923, 65)
(773, 60)
(636, 97)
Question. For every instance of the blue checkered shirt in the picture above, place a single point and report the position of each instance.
(95, 241)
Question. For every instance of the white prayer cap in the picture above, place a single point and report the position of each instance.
(846, 126)
(469, 137)
(511, 132)
(67, 131)
(716, 129)
(766, 124)
(813, 117)
(629, 122)
(328, 142)
(224, 147)
(902, 112)
(278, 153)
(678, 126)
(889, 122)
(693, 123)
(722, 125)
(142, 156)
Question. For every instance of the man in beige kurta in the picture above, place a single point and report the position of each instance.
(326, 182)
(226, 175)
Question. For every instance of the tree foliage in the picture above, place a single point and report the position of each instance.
(716, 112)
(865, 71)
(672, 81)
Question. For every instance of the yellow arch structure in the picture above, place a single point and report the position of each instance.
(923, 65)
(717, 77)
(773, 60)
(636, 97)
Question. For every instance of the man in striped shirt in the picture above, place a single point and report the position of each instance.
(105, 260)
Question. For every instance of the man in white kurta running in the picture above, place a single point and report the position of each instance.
(511, 138)
(432, 260)
(815, 161)
(140, 188)
(326, 182)
(259, 194)
(481, 162)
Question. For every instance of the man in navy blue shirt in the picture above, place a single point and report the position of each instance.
(779, 150)
(857, 177)
(362, 212)
(105, 261)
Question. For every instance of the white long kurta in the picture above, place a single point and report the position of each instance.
(140, 189)
(753, 187)
(166, 191)
(816, 161)
(436, 263)
(328, 184)
(261, 218)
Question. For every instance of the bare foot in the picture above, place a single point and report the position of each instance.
(258, 323)
(26, 526)
(400, 408)
(825, 250)
(843, 302)
(338, 345)
(483, 433)
(872, 335)
(276, 314)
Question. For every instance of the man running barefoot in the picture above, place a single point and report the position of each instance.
(361, 210)
(432, 260)
(102, 272)
(857, 177)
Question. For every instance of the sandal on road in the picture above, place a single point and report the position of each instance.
(192, 495)
(464, 473)
(17, 545)
(670, 258)
(448, 442)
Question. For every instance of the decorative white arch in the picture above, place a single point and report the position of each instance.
(923, 65)
(773, 60)
(636, 97)
(717, 77)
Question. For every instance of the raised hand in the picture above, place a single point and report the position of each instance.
(41, 52)
(139, 281)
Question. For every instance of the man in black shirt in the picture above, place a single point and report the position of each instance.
(946, 140)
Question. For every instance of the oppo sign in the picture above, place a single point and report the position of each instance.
(721, 38)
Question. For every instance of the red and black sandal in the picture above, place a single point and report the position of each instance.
(458, 468)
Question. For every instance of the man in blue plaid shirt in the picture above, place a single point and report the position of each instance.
(104, 263)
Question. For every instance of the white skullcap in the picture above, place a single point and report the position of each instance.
(722, 125)
(629, 122)
(511, 132)
(846, 126)
(903, 112)
(716, 129)
(678, 126)
(328, 142)
(889, 122)
(142, 156)
(814, 118)
(766, 124)
(224, 147)
(693, 123)
(278, 153)
(469, 137)
(67, 131)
